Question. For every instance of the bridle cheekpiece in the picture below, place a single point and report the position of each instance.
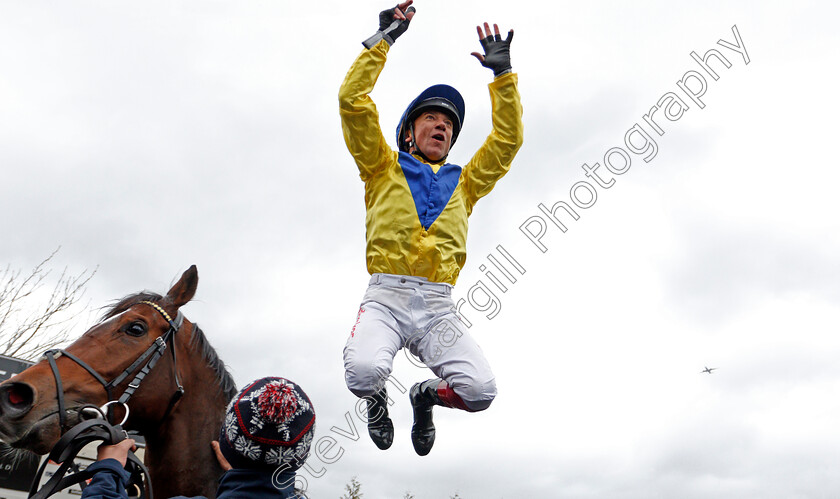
(152, 354)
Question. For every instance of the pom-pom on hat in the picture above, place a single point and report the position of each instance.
(270, 423)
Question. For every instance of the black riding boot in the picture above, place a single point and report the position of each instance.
(380, 427)
(423, 397)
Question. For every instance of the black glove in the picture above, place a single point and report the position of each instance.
(389, 28)
(497, 53)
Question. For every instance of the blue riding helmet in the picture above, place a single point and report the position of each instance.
(441, 97)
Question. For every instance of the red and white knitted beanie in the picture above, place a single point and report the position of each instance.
(270, 423)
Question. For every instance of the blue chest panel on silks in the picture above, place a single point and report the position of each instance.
(431, 191)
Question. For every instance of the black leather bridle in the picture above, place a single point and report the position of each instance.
(150, 357)
(74, 439)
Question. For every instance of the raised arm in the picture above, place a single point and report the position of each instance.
(359, 117)
(495, 156)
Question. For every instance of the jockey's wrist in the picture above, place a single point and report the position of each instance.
(389, 28)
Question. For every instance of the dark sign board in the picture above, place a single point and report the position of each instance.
(9, 366)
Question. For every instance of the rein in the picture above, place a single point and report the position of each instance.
(68, 447)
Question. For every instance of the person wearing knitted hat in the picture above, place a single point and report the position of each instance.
(416, 227)
(265, 438)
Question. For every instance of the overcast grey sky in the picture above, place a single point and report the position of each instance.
(146, 137)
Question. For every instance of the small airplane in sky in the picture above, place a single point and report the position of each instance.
(708, 370)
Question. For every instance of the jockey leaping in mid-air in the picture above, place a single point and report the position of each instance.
(417, 209)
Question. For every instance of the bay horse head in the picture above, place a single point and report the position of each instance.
(147, 360)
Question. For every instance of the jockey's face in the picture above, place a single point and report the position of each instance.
(433, 134)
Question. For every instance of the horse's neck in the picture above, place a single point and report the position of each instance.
(179, 455)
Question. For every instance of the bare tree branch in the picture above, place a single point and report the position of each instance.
(33, 319)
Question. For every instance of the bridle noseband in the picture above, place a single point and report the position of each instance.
(150, 357)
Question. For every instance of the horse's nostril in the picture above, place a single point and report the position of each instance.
(16, 398)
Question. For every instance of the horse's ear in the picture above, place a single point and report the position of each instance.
(183, 291)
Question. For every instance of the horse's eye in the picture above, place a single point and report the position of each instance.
(135, 329)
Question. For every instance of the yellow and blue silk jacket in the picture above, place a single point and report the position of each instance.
(417, 212)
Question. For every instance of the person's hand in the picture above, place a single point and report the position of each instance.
(219, 456)
(496, 51)
(388, 16)
(117, 451)
(393, 22)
